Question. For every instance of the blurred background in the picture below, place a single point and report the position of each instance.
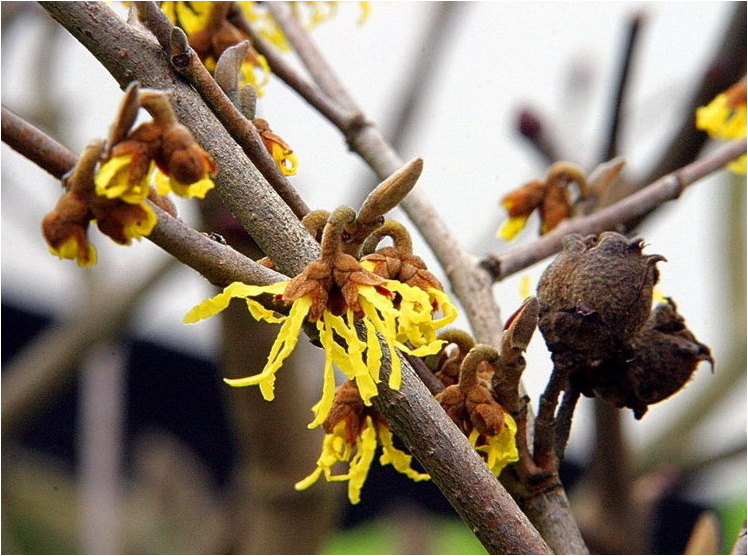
(118, 433)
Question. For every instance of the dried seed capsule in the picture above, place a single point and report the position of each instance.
(595, 295)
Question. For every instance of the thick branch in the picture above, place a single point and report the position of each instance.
(614, 217)
(471, 284)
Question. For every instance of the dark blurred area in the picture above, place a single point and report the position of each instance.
(180, 395)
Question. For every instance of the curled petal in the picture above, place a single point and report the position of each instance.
(83, 254)
(113, 181)
(218, 303)
(399, 459)
(288, 337)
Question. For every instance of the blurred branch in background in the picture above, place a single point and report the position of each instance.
(101, 437)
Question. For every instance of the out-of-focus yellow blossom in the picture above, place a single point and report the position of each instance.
(360, 360)
(501, 449)
(725, 118)
(336, 448)
(263, 20)
(511, 227)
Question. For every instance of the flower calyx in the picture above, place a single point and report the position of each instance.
(334, 279)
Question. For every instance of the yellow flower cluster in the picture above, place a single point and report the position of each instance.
(360, 360)
(336, 448)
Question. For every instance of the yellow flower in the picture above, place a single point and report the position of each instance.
(725, 118)
(190, 16)
(284, 158)
(500, 450)
(512, 227)
(114, 180)
(336, 448)
(358, 359)
(84, 254)
(281, 152)
(165, 185)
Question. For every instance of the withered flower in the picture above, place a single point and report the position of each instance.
(665, 354)
(595, 314)
(353, 432)
(595, 294)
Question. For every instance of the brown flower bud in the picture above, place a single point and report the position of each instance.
(595, 295)
(183, 159)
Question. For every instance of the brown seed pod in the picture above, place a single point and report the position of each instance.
(595, 295)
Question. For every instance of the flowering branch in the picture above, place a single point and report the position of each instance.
(475, 492)
(186, 62)
(549, 510)
(616, 216)
(217, 262)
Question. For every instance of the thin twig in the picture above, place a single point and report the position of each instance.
(564, 419)
(306, 90)
(185, 61)
(611, 147)
(533, 127)
(35, 145)
(302, 43)
(617, 216)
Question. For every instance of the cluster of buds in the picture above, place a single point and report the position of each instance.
(111, 183)
(367, 309)
(471, 404)
(595, 313)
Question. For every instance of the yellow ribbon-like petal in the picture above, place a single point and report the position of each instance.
(511, 227)
(399, 459)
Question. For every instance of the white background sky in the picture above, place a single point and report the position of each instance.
(502, 56)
